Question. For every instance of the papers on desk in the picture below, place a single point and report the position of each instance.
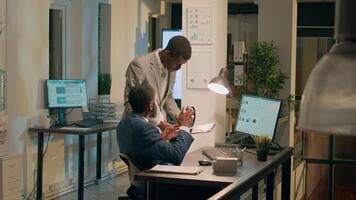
(172, 169)
(203, 128)
(111, 120)
(74, 128)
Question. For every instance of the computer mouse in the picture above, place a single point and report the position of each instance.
(204, 162)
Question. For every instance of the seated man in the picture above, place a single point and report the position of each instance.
(144, 143)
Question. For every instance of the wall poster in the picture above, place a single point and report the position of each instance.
(200, 70)
(200, 24)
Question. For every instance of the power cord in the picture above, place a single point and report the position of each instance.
(29, 197)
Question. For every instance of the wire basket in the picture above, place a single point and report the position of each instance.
(101, 109)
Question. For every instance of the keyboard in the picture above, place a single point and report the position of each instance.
(213, 153)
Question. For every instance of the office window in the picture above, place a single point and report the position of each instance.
(56, 43)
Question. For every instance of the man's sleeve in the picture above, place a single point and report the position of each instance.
(134, 76)
(160, 150)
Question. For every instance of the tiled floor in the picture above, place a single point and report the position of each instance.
(109, 189)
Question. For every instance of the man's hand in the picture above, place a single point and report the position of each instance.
(185, 117)
(163, 125)
(170, 132)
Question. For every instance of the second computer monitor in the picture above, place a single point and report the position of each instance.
(66, 93)
(258, 115)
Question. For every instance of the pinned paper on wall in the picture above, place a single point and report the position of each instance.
(200, 69)
(200, 22)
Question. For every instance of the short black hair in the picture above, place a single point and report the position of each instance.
(180, 46)
(140, 96)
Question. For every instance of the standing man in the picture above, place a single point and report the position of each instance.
(158, 69)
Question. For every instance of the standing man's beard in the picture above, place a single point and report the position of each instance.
(153, 112)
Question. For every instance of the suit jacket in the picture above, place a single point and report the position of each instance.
(142, 141)
(145, 69)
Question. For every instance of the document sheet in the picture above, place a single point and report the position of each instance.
(172, 169)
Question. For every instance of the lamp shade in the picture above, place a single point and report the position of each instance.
(329, 100)
(219, 85)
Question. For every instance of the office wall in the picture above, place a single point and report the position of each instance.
(210, 107)
(277, 21)
(27, 61)
(129, 38)
(163, 21)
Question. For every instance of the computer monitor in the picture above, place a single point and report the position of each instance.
(258, 115)
(63, 94)
(166, 35)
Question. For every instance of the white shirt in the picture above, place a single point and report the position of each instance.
(164, 82)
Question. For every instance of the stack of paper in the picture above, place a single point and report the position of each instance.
(172, 169)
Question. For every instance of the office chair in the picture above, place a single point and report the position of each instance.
(137, 188)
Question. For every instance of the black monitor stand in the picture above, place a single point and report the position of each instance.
(61, 117)
(250, 144)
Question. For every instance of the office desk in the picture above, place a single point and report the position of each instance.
(81, 133)
(234, 184)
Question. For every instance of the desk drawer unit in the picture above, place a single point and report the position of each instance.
(10, 177)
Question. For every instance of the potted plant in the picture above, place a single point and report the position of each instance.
(265, 79)
(104, 84)
(262, 144)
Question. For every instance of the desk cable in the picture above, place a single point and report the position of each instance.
(29, 197)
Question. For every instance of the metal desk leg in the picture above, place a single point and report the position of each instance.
(81, 167)
(270, 186)
(150, 190)
(286, 173)
(255, 192)
(98, 156)
(39, 165)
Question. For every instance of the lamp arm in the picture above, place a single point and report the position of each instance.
(223, 72)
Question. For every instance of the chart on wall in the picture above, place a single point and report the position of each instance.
(200, 25)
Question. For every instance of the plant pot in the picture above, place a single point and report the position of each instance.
(261, 155)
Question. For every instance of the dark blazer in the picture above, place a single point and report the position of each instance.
(142, 141)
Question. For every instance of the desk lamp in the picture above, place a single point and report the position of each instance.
(329, 100)
(220, 85)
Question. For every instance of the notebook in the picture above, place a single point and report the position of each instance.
(172, 169)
